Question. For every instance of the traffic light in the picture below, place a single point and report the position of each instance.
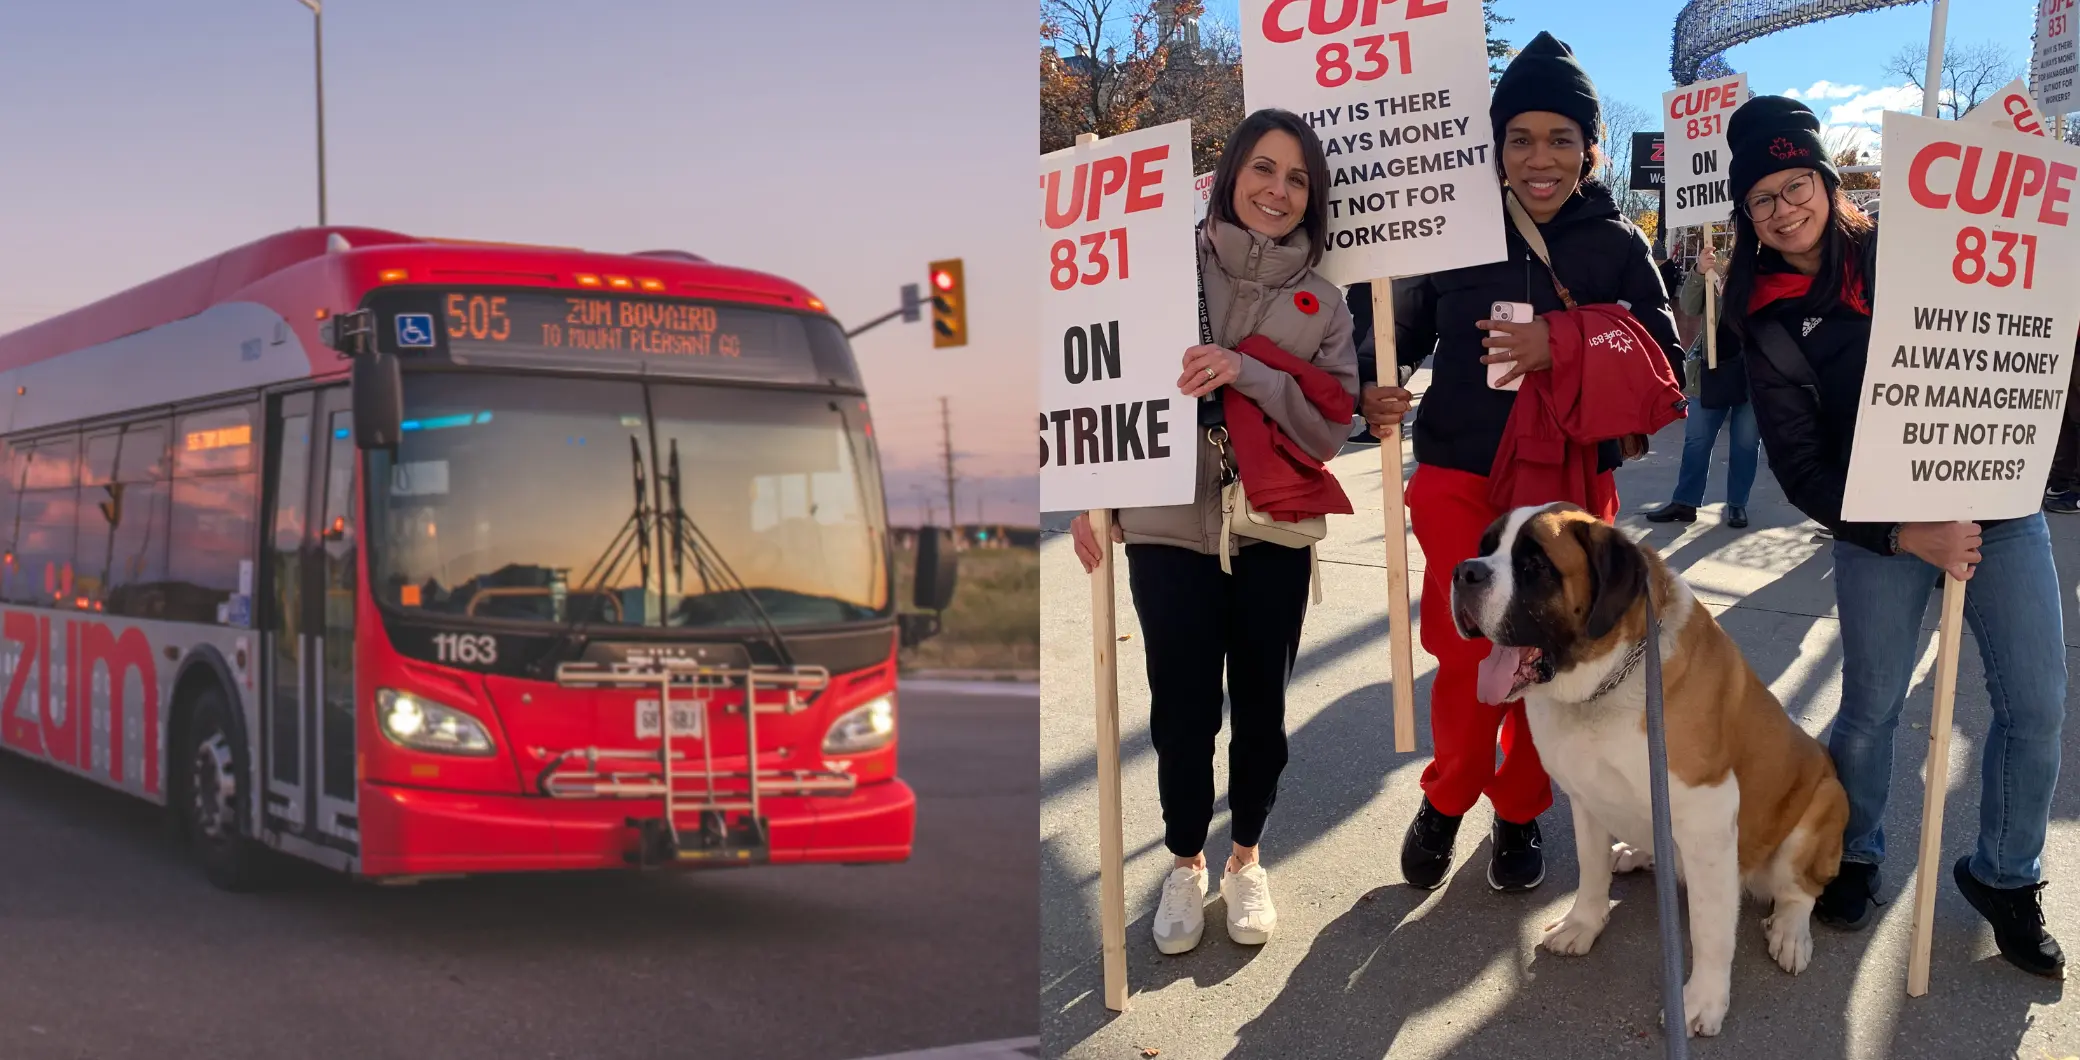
(949, 304)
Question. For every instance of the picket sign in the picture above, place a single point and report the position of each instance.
(1399, 96)
(1874, 493)
(1113, 377)
(1112, 884)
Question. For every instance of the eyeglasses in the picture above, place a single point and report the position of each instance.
(1761, 208)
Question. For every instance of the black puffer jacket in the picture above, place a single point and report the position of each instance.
(1809, 441)
(1726, 386)
(1601, 258)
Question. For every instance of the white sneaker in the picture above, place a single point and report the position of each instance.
(1251, 916)
(1181, 916)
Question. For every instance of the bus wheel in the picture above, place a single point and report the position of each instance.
(215, 787)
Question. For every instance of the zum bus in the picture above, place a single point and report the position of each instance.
(420, 558)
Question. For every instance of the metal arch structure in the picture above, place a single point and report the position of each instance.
(1705, 29)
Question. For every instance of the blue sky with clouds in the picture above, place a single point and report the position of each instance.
(1838, 64)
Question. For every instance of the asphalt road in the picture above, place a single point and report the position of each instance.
(113, 946)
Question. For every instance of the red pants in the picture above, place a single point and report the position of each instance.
(1449, 512)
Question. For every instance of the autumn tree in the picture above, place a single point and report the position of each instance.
(1620, 120)
(1844, 147)
(1499, 51)
(1971, 72)
(1106, 82)
(1113, 66)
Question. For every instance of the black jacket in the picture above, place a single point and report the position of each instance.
(1601, 258)
(1726, 386)
(1809, 442)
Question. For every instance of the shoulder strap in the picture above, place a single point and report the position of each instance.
(1212, 412)
(1529, 230)
(1777, 346)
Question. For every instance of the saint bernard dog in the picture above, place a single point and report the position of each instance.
(1753, 799)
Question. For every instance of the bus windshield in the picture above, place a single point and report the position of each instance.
(515, 498)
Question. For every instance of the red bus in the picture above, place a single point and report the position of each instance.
(416, 557)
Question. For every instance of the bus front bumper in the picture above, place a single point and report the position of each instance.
(408, 831)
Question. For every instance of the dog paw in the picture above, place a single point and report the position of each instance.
(1627, 858)
(1704, 1009)
(1790, 940)
(1572, 935)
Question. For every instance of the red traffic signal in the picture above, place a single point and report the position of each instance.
(949, 304)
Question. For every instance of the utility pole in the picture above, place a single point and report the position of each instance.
(946, 433)
(317, 10)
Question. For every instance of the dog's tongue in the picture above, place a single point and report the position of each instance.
(1499, 674)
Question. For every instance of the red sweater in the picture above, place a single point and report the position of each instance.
(1609, 379)
(1281, 479)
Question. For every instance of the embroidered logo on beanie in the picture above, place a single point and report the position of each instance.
(1783, 148)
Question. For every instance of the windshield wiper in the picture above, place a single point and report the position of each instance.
(605, 572)
(687, 536)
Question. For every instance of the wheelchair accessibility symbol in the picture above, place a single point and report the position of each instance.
(414, 329)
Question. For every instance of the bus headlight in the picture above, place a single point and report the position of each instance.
(423, 725)
(863, 728)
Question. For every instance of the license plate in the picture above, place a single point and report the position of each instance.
(686, 719)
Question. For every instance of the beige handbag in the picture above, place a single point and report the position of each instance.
(1239, 519)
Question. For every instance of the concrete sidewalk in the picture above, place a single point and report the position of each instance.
(1364, 966)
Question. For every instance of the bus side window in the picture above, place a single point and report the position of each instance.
(136, 553)
(100, 507)
(14, 459)
(214, 491)
(45, 517)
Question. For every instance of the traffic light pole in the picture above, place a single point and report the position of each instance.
(876, 322)
(912, 310)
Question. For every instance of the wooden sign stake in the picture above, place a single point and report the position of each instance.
(1928, 873)
(1400, 638)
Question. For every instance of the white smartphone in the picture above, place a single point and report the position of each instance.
(1515, 313)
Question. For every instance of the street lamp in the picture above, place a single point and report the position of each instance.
(318, 35)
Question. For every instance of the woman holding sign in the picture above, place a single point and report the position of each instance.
(1546, 118)
(1798, 297)
(1279, 360)
(1722, 400)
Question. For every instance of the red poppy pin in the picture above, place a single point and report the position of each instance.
(1306, 303)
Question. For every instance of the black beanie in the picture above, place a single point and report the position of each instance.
(1545, 76)
(1772, 133)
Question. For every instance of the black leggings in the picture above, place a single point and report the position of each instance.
(1194, 618)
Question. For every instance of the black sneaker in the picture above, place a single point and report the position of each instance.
(1516, 862)
(1426, 853)
(1673, 513)
(1736, 516)
(1847, 902)
(2017, 916)
(2066, 502)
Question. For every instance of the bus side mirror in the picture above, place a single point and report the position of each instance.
(937, 569)
(377, 383)
(378, 401)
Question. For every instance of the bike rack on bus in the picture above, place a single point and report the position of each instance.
(726, 804)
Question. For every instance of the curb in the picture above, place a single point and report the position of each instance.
(1023, 677)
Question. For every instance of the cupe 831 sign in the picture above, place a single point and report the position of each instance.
(1398, 92)
(1119, 306)
(1973, 325)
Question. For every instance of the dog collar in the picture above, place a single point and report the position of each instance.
(1633, 656)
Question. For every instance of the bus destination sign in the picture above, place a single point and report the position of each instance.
(610, 331)
(591, 322)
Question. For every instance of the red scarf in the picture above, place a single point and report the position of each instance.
(1773, 286)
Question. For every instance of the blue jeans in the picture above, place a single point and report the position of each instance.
(2012, 607)
(1700, 433)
